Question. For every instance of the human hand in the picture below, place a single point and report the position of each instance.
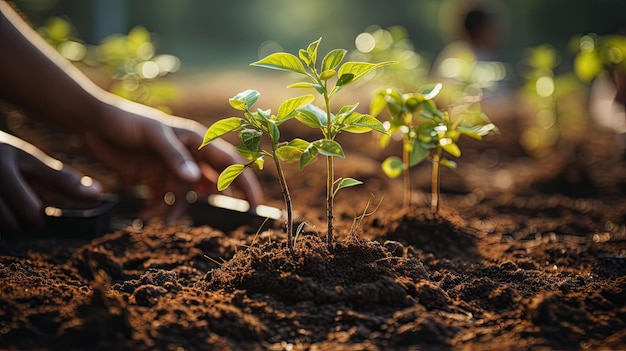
(147, 147)
(30, 180)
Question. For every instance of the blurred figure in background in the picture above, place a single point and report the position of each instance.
(469, 67)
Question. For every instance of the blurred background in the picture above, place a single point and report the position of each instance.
(533, 67)
(218, 34)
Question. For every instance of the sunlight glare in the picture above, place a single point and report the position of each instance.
(544, 86)
(365, 42)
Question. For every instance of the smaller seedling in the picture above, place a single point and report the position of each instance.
(251, 128)
(435, 133)
(347, 119)
(404, 110)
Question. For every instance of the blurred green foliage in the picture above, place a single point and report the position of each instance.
(129, 60)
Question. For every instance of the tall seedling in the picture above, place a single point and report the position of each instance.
(346, 119)
(251, 128)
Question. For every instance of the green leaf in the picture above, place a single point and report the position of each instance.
(447, 163)
(312, 116)
(244, 100)
(228, 175)
(220, 128)
(308, 118)
(360, 123)
(317, 87)
(358, 70)
(259, 162)
(251, 139)
(273, 131)
(312, 51)
(308, 156)
(249, 155)
(418, 153)
(345, 183)
(384, 140)
(299, 143)
(344, 110)
(344, 79)
(281, 61)
(326, 75)
(377, 105)
(328, 147)
(304, 56)
(288, 107)
(430, 107)
(450, 147)
(289, 153)
(426, 131)
(333, 59)
(392, 167)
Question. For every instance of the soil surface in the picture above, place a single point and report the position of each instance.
(525, 254)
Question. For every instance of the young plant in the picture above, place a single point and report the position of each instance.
(321, 78)
(434, 134)
(404, 110)
(251, 128)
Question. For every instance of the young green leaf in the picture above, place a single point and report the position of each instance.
(360, 123)
(450, 147)
(299, 143)
(328, 147)
(312, 52)
(281, 61)
(273, 131)
(220, 128)
(430, 108)
(228, 175)
(392, 167)
(378, 104)
(333, 59)
(345, 183)
(448, 163)
(304, 85)
(418, 153)
(251, 138)
(289, 153)
(312, 116)
(287, 108)
(244, 100)
(326, 75)
(249, 155)
(308, 156)
(344, 79)
(357, 70)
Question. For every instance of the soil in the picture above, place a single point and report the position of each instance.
(525, 254)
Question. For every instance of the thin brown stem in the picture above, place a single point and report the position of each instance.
(330, 197)
(434, 205)
(407, 176)
(286, 197)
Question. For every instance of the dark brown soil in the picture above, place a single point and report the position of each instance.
(525, 254)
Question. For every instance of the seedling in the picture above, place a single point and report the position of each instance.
(433, 134)
(404, 110)
(346, 119)
(251, 128)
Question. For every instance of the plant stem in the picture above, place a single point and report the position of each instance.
(330, 172)
(286, 197)
(434, 205)
(407, 175)
(329, 198)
